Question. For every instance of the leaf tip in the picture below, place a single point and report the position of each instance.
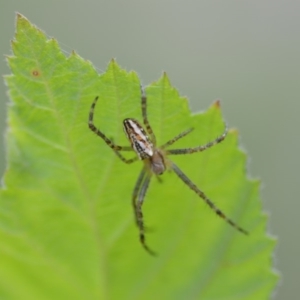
(19, 16)
(215, 108)
(74, 53)
(53, 41)
(21, 19)
(217, 104)
(165, 78)
(234, 131)
(112, 63)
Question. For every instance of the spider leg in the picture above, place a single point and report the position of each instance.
(136, 192)
(125, 160)
(116, 148)
(140, 214)
(176, 138)
(138, 197)
(191, 185)
(199, 148)
(145, 118)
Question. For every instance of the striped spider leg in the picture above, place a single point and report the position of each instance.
(109, 142)
(156, 162)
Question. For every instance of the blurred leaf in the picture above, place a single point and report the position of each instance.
(66, 221)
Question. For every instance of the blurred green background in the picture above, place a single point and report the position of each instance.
(246, 53)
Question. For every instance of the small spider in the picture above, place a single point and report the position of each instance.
(155, 161)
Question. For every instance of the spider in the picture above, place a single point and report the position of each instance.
(156, 161)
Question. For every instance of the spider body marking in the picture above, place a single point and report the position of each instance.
(155, 162)
(138, 138)
(143, 147)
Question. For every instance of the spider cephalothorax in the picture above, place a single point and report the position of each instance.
(155, 161)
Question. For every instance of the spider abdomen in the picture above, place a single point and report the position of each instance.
(138, 138)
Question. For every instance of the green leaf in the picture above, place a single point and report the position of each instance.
(66, 223)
